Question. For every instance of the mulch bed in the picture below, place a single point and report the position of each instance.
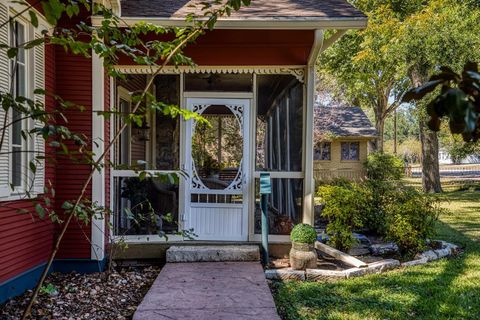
(86, 296)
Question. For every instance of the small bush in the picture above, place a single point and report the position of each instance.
(378, 196)
(343, 209)
(303, 233)
(340, 181)
(383, 167)
(382, 204)
(410, 221)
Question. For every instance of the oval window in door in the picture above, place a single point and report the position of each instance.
(217, 148)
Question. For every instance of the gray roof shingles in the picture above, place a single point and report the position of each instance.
(344, 122)
(258, 9)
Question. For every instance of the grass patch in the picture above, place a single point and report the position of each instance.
(444, 289)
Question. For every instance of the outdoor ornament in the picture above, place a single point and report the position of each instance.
(265, 190)
(458, 100)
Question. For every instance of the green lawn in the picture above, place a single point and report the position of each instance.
(445, 289)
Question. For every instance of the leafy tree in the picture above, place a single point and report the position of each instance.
(444, 32)
(407, 125)
(365, 64)
(403, 45)
(458, 101)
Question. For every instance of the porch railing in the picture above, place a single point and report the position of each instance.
(331, 174)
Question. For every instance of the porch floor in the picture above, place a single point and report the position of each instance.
(209, 290)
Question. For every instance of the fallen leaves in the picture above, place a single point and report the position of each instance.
(75, 296)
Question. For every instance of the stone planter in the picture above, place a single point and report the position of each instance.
(303, 256)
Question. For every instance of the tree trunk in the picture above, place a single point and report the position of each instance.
(395, 132)
(430, 166)
(429, 140)
(380, 127)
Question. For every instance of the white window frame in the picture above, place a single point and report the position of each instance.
(349, 149)
(125, 95)
(26, 145)
(275, 174)
(321, 147)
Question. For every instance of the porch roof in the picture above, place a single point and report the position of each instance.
(305, 14)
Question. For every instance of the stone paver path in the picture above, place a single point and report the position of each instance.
(209, 290)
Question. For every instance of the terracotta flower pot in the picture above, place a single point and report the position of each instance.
(303, 256)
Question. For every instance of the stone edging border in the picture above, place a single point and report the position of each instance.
(447, 249)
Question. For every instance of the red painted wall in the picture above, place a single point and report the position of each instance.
(250, 48)
(25, 240)
(74, 83)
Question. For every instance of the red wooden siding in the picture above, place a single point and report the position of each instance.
(74, 83)
(250, 48)
(25, 240)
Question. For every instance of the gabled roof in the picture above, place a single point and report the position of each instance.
(275, 11)
(344, 122)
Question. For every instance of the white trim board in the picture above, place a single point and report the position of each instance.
(155, 238)
(297, 71)
(98, 146)
(297, 23)
(206, 94)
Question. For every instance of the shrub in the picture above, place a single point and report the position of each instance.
(303, 233)
(383, 167)
(410, 220)
(343, 209)
(340, 181)
(378, 196)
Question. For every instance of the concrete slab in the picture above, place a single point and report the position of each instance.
(213, 253)
(209, 290)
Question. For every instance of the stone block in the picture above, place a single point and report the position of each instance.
(454, 249)
(375, 267)
(442, 253)
(417, 262)
(320, 274)
(384, 249)
(384, 265)
(356, 272)
(430, 255)
(285, 274)
(212, 253)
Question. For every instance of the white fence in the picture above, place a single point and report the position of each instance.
(460, 170)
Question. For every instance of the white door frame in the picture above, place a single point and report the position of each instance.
(212, 98)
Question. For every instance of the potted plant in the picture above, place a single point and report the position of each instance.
(211, 167)
(303, 255)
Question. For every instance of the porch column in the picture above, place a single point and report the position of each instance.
(309, 182)
(98, 146)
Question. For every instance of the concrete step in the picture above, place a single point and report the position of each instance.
(213, 253)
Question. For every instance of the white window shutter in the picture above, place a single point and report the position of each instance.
(4, 87)
(39, 82)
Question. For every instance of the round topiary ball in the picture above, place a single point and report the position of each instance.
(303, 233)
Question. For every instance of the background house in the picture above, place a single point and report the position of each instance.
(341, 142)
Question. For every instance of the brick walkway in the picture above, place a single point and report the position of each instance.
(209, 290)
